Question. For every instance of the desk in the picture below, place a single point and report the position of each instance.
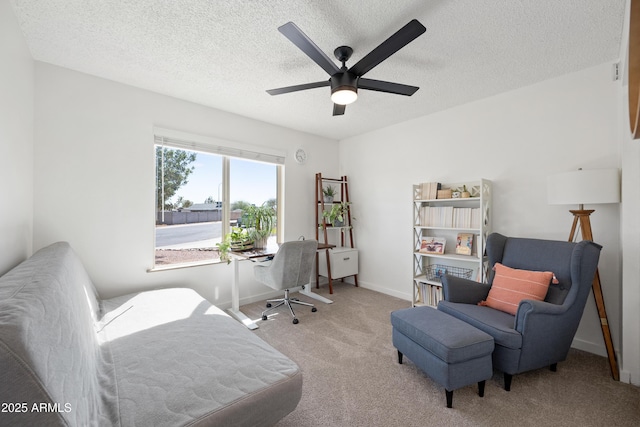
(255, 255)
(306, 289)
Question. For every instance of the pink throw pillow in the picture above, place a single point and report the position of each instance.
(510, 286)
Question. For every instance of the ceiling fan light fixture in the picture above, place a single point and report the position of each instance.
(344, 95)
(344, 88)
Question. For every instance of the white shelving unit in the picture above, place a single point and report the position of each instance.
(445, 219)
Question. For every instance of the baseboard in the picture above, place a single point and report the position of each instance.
(630, 378)
(589, 347)
(254, 298)
(391, 292)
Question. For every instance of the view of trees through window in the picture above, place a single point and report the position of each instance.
(189, 201)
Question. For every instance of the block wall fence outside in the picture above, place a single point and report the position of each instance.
(177, 217)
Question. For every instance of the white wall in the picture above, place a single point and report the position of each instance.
(514, 139)
(94, 178)
(630, 365)
(16, 142)
(630, 362)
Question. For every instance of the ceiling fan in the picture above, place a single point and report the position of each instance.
(346, 82)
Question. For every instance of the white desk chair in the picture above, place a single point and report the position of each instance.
(291, 267)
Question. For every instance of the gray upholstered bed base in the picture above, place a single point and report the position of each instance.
(163, 357)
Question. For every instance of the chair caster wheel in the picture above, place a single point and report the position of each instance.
(295, 321)
(314, 309)
(268, 305)
(264, 317)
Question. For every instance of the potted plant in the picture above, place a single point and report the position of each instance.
(464, 193)
(238, 240)
(224, 247)
(260, 222)
(337, 214)
(329, 193)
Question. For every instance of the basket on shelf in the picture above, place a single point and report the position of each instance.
(436, 271)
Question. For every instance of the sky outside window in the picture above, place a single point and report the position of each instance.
(254, 182)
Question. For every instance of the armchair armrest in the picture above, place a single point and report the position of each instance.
(547, 332)
(530, 311)
(457, 289)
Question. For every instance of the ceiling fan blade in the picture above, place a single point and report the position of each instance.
(397, 41)
(305, 44)
(389, 87)
(288, 89)
(338, 109)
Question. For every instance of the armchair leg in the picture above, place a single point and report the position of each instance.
(553, 367)
(481, 388)
(399, 357)
(449, 398)
(507, 381)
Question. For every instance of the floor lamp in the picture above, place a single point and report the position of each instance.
(595, 186)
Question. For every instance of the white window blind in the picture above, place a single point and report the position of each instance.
(210, 145)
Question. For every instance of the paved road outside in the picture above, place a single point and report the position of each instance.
(200, 235)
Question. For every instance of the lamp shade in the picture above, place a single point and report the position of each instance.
(594, 186)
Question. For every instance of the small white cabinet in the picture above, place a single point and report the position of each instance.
(344, 263)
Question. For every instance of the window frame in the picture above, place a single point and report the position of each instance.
(227, 150)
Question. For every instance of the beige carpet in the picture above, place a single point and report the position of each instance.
(352, 377)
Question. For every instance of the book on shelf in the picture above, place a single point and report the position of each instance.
(450, 217)
(464, 243)
(429, 190)
(432, 245)
(466, 218)
(431, 295)
(436, 216)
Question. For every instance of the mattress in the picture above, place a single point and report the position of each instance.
(172, 359)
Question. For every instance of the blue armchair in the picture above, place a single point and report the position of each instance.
(541, 332)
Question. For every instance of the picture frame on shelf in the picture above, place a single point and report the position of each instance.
(440, 272)
(432, 245)
(464, 244)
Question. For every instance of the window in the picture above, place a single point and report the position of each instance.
(202, 190)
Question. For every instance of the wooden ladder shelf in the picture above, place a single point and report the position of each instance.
(322, 236)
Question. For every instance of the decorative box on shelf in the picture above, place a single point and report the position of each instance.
(444, 194)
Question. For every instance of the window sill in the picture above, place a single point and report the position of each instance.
(183, 265)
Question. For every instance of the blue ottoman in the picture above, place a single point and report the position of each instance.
(451, 352)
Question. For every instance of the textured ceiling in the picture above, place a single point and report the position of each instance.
(226, 53)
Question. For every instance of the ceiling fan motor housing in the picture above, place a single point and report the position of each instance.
(344, 80)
